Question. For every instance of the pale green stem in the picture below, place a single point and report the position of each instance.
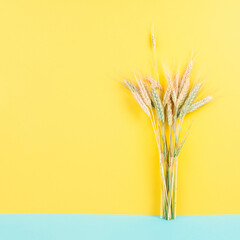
(155, 63)
(177, 137)
(175, 188)
(160, 158)
(170, 190)
(161, 204)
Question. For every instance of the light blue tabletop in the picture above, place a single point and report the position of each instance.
(77, 226)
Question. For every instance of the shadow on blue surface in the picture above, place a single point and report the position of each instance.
(77, 226)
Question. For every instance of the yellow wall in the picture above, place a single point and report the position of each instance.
(74, 141)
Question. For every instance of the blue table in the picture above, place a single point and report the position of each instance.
(77, 226)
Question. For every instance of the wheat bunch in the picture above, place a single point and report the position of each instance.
(173, 104)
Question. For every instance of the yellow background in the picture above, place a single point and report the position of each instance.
(72, 138)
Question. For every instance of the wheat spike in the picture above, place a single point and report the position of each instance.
(158, 104)
(176, 81)
(186, 75)
(173, 92)
(199, 103)
(144, 93)
(131, 86)
(153, 40)
(153, 37)
(137, 96)
(148, 89)
(167, 94)
(183, 94)
(154, 82)
(169, 113)
(141, 103)
(190, 99)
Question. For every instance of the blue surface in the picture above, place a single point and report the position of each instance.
(75, 226)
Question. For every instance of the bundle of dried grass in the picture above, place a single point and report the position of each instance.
(167, 110)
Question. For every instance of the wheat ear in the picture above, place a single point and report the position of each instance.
(176, 81)
(186, 75)
(199, 103)
(183, 94)
(144, 93)
(190, 99)
(138, 97)
(153, 38)
(169, 113)
(173, 92)
(158, 104)
(167, 94)
(154, 82)
(149, 91)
